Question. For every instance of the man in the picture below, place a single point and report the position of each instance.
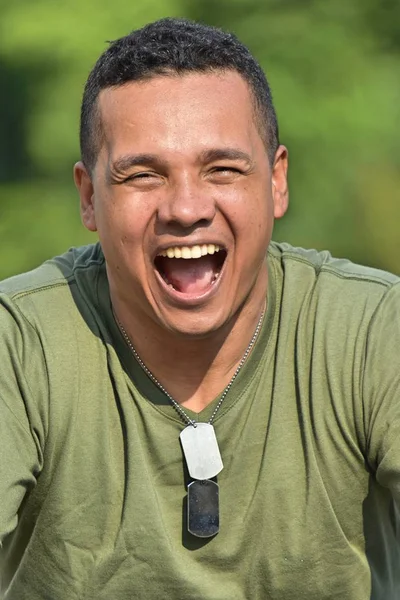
(189, 410)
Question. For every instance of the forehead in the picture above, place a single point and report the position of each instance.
(210, 107)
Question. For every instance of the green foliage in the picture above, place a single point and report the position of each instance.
(333, 67)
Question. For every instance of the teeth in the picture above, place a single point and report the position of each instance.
(196, 252)
(190, 251)
(186, 252)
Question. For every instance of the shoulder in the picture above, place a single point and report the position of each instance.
(328, 272)
(322, 263)
(58, 271)
(55, 293)
(336, 293)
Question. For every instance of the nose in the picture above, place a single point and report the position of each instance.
(187, 204)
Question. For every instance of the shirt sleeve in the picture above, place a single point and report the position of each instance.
(381, 392)
(23, 387)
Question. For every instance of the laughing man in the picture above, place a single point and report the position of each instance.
(187, 409)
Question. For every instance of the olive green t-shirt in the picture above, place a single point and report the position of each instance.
(92, 483)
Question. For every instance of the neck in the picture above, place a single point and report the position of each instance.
(193, 371)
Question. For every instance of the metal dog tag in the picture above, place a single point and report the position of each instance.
(201, 451)
(203, 508)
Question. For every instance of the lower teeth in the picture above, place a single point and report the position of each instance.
(170, 285)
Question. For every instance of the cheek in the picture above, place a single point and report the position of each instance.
(256, 220)
(256, 235)
(122, 220)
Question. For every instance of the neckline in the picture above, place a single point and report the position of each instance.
(151, 393)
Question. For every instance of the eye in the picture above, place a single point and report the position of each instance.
(144, 179)
(224, 169)
(144, 175)
(224, 173)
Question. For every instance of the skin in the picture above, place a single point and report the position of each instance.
(183, 162)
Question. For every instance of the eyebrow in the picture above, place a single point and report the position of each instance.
(225, 154)
(124, 163)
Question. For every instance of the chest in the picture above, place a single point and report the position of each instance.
(112, 501)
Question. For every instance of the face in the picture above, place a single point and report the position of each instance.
(183, 198)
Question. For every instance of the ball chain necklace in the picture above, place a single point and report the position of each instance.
(201, 451)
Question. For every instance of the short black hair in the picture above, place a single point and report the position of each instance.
(173, 46)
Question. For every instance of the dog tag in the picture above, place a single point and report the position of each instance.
(201, 451)
(203, 508)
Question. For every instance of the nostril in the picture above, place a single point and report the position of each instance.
(203, 222)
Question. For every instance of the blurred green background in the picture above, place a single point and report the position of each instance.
(334, 68)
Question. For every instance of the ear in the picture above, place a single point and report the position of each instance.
(280, 192)
(84, 186)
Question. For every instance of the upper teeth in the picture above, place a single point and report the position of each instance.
(190, 252)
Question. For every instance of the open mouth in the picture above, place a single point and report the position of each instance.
(191, 270)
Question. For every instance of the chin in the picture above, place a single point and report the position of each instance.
(195, 324)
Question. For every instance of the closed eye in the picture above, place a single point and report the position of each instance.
(143, 175)
(144, 179)
(224, 174)
(226, 168)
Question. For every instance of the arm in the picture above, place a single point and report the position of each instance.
(23, 394)
(381, 392)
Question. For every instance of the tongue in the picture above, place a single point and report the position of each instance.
(190, 276)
